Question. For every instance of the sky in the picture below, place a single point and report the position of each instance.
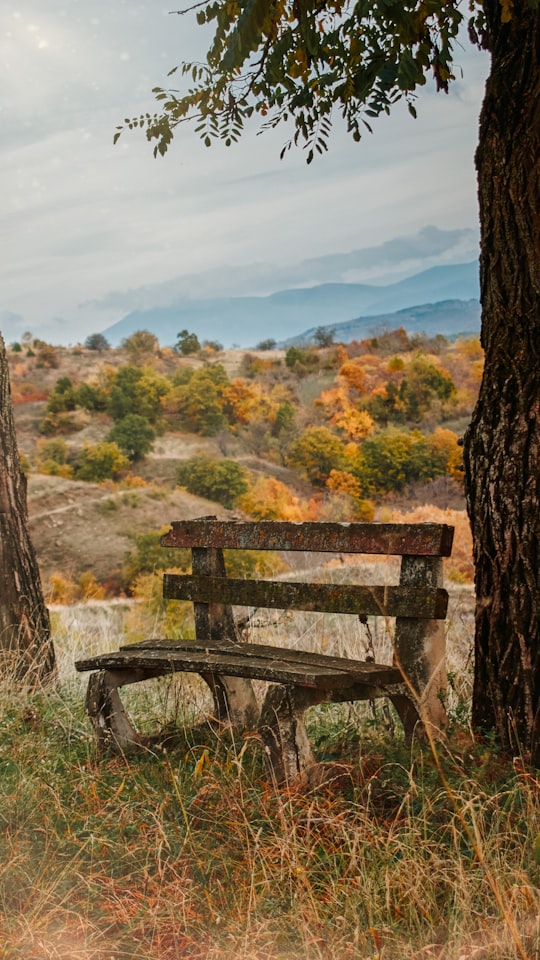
(91, 231)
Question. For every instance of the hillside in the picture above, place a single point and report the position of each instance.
(78, 527)
(359, 431)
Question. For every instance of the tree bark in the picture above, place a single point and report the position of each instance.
(502, 445)
(25, 634)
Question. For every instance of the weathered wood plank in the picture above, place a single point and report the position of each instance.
(261, 658)
(390, 601)
(388, 539)
(305, 657)
(212, 619)
(259, 668)
(420, 645)
(233, 697)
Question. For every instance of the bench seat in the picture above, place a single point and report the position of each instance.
(256, 661)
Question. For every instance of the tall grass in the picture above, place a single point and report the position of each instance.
(388, 852)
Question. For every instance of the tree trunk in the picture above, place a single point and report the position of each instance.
(25, 632)
(502, 445)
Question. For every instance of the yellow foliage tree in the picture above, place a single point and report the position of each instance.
(356, 424)
(333, 401)
(246, 402)
(343, 483)
(353, 374)
(445, 443)
(270, 499)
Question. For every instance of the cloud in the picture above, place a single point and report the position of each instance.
(384, 262)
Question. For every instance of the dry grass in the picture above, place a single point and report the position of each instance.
(391, 853)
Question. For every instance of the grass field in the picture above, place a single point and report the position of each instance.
(389, 852)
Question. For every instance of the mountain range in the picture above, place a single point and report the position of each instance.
(442, 299)
(453, 318)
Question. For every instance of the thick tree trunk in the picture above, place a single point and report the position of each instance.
(25, 633)
(502, 445)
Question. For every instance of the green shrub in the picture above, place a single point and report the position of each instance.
(187, 343)
(316, 453)
(295, 357)
(391, 459)
(90, 397)
(199, 403)
(134, 435)
(139, 389)
(219, 480)
(55, 449)
(424, 384)
(58, 423)
(63, 398)
(102, 461)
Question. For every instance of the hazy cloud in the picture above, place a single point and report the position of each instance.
(383, 263)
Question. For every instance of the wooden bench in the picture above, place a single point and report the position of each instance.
(414, 682)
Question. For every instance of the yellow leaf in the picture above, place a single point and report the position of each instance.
(120, 788)
(201, 763)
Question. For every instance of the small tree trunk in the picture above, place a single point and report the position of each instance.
(25, 632)
(502, 445)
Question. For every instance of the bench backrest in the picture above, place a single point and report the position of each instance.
(418, 597)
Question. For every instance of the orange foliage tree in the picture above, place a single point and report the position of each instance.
(270, 499)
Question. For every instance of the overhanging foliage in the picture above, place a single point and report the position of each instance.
(305, 60)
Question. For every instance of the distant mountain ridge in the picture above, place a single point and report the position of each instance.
(246, 320)
(453, 318)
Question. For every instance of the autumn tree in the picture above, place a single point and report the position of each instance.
(141, 342)
(25, 630)
(197, 400)
(392, 459)
(341, 412)
(139, 390)
(270, 499)
(307, 61)
(316, 453)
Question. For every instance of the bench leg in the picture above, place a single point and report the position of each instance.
(408, 714)
(287, 751)
(109, 719)
(234, 700)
